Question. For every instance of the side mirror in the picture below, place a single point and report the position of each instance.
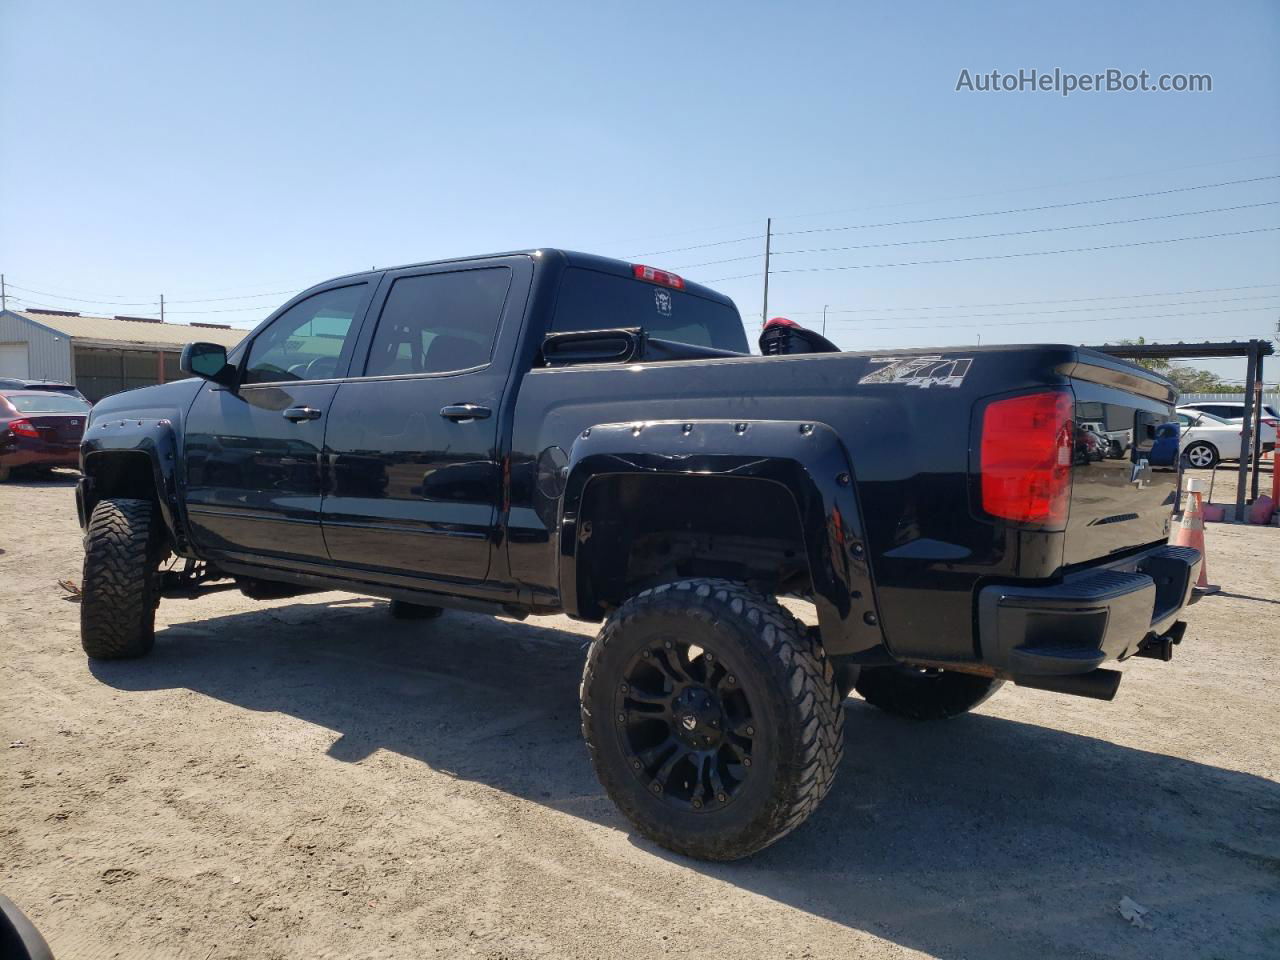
(209, 361)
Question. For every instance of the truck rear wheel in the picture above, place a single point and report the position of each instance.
(712, 717)
(121, 587)
(924, 694)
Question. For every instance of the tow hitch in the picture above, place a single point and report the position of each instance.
(1161, 647)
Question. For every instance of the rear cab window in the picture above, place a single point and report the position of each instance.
(594, 300)
(47, 402)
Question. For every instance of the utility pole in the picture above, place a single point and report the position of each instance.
(4, 296)
(824, 319)
(768, 237)
(162, 308)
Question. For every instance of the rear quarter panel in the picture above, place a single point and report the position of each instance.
(904, 419)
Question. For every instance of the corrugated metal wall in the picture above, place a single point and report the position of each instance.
(48, 353)
(101, 372)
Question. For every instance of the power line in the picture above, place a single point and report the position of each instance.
(1047, 206)
(1019, 233)
(1003, 256)
(247, 296)
(698, 246)
(58, 296)
(963, 216)
(1133, 306)
(989, 236)
(1034, 323)
(948, 199)
(151, 303)
(1045, 186)
(1030, 303)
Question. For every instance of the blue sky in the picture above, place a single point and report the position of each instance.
(218, 150)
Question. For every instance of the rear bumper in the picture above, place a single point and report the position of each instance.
(1093, 616)
(36, 453)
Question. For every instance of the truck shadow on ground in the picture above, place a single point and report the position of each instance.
(43, 478)
(979, 837)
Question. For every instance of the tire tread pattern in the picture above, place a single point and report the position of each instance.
(119, 593)
(803, 679)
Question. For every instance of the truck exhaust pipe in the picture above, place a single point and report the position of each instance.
(1098, 684)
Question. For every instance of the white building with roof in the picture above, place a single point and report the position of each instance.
(100, 355)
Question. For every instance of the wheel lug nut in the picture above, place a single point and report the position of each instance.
(622, 718)
(722, 798)
(635, 764)
(711, 657)
(746, 761)
(751, 731)
(668, 644)
(732, 679)
(624, 688)
(655, 787)
(697, 804)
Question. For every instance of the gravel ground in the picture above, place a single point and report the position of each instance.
(309, 778)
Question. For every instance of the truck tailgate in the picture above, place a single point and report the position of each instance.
(1125, 459)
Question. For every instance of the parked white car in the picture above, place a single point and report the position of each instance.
(1232, 411)
(1206, 439)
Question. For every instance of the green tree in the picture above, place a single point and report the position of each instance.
(1186, 379)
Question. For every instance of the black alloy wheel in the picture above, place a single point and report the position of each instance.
(686, 723)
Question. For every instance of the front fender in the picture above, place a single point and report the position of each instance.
(157, 441)
(808, 459)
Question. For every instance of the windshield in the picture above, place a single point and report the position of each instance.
(592, 300)
(47, 403)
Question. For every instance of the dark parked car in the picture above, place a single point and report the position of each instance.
(40, 429)
(54, 386)
(546, 432)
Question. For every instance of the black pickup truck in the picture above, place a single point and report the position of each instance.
(551, 432)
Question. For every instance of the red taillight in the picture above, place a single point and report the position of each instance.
(1027, 445)
(24, 428)
(654, 275)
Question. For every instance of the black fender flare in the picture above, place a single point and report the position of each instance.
(807, 458)
(153, 438)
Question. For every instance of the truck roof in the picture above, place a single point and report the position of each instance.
(572, 258)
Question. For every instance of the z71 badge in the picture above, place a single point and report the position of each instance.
(923, 372)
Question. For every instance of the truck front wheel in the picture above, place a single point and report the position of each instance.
(121, 588)
(712, 717)
(924, 694)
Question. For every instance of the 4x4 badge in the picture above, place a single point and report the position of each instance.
(923, 372)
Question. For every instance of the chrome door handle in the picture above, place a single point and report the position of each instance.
(298, 414)
(459, 412)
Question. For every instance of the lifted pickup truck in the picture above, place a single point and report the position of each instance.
(545, 432)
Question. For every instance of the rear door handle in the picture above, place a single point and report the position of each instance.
(298, 414)
(465, 411)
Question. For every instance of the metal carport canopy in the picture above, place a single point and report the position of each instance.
(1250, 434)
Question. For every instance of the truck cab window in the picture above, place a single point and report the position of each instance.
(308, 340)
(593, 300)
(439, 322)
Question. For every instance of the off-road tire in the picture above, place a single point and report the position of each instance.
(404, 610)
(780, 669)
(1208, 448)
(121, 586)
(924, 695)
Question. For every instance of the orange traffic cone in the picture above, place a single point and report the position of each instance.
(1189, 532)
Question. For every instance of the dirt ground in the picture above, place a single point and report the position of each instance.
(309, 778)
